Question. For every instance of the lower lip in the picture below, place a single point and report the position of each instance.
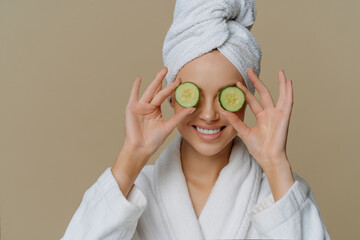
(208, 137)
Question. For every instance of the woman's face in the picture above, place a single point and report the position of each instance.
(211, 72)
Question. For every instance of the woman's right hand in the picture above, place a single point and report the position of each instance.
(145, 129)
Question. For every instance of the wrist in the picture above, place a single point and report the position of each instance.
(134, 152)
(129, 163)
(280, 179)
(273, 163)
(276, 169)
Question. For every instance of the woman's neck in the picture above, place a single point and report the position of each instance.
(203, 170)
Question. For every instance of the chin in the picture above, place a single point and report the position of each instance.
(205, 150)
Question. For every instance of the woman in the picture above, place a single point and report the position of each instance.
(204, 185)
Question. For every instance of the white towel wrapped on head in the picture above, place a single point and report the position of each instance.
(200, 26)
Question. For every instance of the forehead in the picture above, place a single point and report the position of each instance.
(210, 71)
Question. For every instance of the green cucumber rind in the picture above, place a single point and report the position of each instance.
(181, 84)
(222, 93)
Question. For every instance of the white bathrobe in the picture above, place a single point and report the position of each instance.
(240, 205)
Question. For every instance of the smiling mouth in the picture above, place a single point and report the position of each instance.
(221, 128)
(209, 135)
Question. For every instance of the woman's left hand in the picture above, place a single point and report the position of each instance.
(266, 142)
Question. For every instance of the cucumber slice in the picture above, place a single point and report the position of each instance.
(187, 94)
(232, 98)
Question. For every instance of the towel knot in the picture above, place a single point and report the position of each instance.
(226, 9)
(243, 12)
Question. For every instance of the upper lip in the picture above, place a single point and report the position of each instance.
(208, 127)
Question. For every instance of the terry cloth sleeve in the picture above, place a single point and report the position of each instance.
(105, 213)
(295, 216)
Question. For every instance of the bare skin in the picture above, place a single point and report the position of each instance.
(202, 161)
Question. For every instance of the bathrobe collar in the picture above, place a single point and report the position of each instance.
(226, 212)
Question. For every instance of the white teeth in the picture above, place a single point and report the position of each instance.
(208, 131)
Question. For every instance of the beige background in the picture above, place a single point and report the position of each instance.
(67, 67)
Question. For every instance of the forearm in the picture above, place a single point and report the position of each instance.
(127, 167)
(280, 178)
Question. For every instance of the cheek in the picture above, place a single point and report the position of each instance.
(184, 124)
(232, 131)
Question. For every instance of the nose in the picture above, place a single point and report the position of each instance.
(208, 109)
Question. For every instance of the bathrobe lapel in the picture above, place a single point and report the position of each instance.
(173, 196)
(226, 212)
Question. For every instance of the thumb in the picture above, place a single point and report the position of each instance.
(236, 122)
(176, 119)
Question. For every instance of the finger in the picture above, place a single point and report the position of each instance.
(163, 94)
(282, 89)
(250, 99)
(176, 119)
(135, 90)
(290, 96)
(149, 92)
(157, 90)
(265, 95)
(236, 122)
(159, 87)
